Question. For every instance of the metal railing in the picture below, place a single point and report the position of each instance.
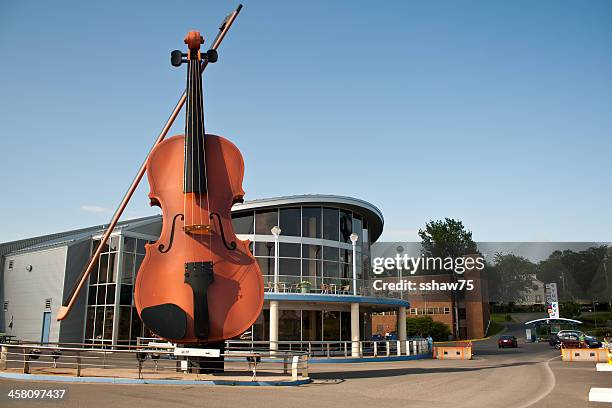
(326, 286)
(330, 349)
(155, 360)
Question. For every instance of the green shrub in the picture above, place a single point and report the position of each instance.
(426, 326)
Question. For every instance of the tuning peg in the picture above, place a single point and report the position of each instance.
(177, 57)
(212, 56)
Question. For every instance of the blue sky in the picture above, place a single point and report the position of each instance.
(493, 112)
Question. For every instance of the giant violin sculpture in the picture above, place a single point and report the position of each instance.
(198, 283)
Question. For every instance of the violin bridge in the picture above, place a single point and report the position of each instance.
(198, 229)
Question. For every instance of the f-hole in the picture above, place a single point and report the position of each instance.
(162, 248)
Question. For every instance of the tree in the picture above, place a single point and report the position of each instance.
(425, 326)
(510, 278)
(447, 238)
(569, 310)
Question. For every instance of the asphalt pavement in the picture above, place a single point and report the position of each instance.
(530, 375)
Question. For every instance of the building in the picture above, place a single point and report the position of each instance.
(470, 319)
(315, 298)
(533, 295)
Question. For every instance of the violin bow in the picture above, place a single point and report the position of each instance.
(68, 303)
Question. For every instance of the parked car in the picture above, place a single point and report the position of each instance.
(592, 342)
(566, 340)
(507, 341)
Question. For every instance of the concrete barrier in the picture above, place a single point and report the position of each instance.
(452, 353)
(603, 367)
(600, 394)
(584, 354)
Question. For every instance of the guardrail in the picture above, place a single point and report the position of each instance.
(154, 359)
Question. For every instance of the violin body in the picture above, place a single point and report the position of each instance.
(170, 302)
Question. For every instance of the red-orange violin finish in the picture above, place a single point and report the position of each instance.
(198, 283)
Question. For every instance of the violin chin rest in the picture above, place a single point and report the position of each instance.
(166, 320)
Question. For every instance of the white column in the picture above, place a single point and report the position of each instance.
(276, 232)
(354, 237)
(355, 329)
(273, 326)
(401, 328)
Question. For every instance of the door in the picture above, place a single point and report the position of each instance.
(46, 325)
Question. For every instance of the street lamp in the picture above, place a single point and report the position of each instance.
(276, 232)
(354, 237)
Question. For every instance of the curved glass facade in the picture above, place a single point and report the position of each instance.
(314, 247)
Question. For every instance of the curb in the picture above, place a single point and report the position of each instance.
(115, 380)
(368, 359)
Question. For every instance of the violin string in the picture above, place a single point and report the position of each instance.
(203, 136)
(198, 148)
(193, 153)
(186, 156)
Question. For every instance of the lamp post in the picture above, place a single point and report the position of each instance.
(274, 303)
(276, 232)
(354, 237)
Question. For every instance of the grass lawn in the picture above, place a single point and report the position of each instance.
(494, 328)
(501, 318)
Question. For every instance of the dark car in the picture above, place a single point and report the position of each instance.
(566, 340)
(507, 341)
(592, 342)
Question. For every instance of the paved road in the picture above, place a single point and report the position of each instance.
(531, 375)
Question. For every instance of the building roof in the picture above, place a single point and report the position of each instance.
(66, 237)
(371, 212)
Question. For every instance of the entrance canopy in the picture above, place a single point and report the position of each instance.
(550, 320)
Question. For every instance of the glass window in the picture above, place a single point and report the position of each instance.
(91, 313)
(128, 268)
(358, 227)
(265, 220)
(331, 326)
(124, 323)
(243, 223)
(346, 255)
(103, 270)
(346, 226)
(264, 248)
(140, 246)
(112, 267)
(330, 253)
(101, 297)
(290, 221)
(331, 272)
(289, 325)
(288, 250)
(114, 243)
(99, 322)
(311, 271)
(110, 294)
(289, 267)
(91, 297)
(330, 223)
(129, 244)
(311, 251)
(266, 265)
(345, 326)
(311, 325)
(346, 272)
(108, 323)
(311, 222)
(125, 296)
(136, 325)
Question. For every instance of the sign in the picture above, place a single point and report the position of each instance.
(553, 310)
(550, 290)
(196, 352)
